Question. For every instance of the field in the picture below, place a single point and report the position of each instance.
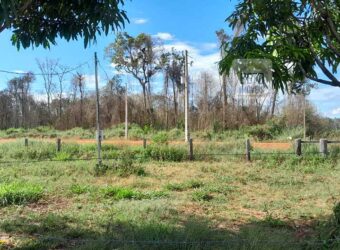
(155, 198)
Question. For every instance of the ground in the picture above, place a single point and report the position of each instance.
(274, 202)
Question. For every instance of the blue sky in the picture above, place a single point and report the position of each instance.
(183, 24)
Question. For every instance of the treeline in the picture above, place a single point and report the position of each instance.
(216, 102)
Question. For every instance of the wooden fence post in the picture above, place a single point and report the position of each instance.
(26, 142)
(58, 144)
(144, 143)
(191, 150)
(248, 150)
(323, 147)
(298, 149)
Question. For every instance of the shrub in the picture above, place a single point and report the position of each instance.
(165, 153)
(79, 189)
(62, 156)
(19, 193)
(125, 165)
(119, 193)
(160, 138)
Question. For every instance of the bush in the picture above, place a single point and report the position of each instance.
(19, 193)
(165, 153)
(79, 189)
(125, 165)
(160, 138)
(119, 193)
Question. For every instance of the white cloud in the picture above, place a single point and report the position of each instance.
(336, 111)
(90, 82)
(201, 62)
(209, 46)
(325, 94)
(164, 36)
(140, 21)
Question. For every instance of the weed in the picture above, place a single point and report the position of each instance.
(201, 195)
(119, 193)
(19, 193)
(79, 189)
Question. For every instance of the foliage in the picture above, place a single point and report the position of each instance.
(160, 138)
(19, 193)
(165, 153)
(35, 23)
(201, 195)
(297, 36)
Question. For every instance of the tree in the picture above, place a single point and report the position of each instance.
(78, 82)
(299, 37)
(222, 39)
(37, 23)
(60, 76)
(137, 56)
(19, 88)
(48, 69)
(172, 64)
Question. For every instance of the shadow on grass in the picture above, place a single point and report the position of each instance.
(61, 232)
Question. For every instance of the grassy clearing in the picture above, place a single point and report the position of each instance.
(275, 202)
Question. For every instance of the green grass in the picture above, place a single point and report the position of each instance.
(273, 202)
(19, 193)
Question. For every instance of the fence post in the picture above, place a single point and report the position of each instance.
(58, 144)
(248, 150)
(298, 150)
(191, 150)
(323, 147)
(26, 142)
(144, 143)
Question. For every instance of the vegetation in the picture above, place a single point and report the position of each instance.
(299, 37)
(33, 23)
(275, 202)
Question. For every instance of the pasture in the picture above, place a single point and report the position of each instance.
(155, 198)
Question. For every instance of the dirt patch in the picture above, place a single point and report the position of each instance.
(272, 145)
(122, 142)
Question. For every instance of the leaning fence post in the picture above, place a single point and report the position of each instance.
(248, 150)
(323, 147)
(58, 144)
(144, 143)
(191, 150)
(26, 142)
(298, 150)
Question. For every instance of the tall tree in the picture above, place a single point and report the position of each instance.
(78, 81)
(137, 56)
(37, 23)
(172, 64)
(19, 88)
(299, 37)
(61, 75)
(223, 38)
(48, 68)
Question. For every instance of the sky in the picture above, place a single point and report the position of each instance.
(182, 24)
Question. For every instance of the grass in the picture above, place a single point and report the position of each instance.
(19, 193)
(274, 202)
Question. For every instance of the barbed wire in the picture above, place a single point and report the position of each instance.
(136, 157)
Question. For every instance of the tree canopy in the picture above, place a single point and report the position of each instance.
(35, 22)
(299, 37)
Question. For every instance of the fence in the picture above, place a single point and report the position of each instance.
(323, 150)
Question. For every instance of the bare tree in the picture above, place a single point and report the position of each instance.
(48, 68)
(78, 82)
